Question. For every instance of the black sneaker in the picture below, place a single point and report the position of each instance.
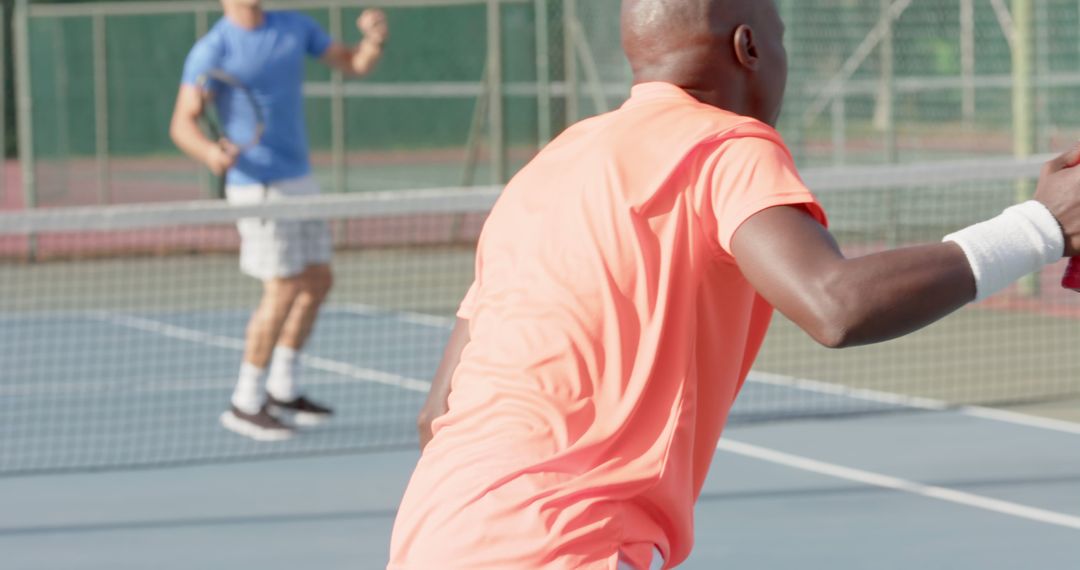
(301, 411)
(260, 426)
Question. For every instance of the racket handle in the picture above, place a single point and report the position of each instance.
(1071, 280)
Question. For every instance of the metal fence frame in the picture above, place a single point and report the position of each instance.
(579, 76)
(490, 91)
(24, 103)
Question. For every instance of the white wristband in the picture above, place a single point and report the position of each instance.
(1020, 241)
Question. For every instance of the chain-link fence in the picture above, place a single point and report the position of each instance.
(911, 80)
(871, 81)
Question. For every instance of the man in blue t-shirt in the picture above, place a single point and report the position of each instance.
(266, 51)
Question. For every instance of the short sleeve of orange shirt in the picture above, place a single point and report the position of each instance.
(751, 174)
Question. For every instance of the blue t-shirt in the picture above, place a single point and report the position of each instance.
(269, 60)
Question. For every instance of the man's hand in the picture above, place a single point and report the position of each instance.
(361, 59)
(437, 403)
(220, 157)
(1059, 191)
(431, 411)
(372, 23)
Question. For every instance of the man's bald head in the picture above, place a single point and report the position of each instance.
(728, 53)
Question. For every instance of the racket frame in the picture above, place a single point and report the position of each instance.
(210, 120)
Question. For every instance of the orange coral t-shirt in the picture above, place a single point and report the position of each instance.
(610, 333)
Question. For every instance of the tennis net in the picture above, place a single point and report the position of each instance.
(121, 328)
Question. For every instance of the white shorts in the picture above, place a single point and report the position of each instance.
(284, 248)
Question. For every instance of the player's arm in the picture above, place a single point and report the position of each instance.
(362, 58)
(436, 404)
(795, 264)
(188, 137)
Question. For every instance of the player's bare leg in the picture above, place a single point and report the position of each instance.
(285, 398)
(314, 285)
(269, 319)
(249, 414)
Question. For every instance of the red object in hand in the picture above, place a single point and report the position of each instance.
(1071, 280)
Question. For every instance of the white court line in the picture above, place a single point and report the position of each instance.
(25, 389)
(756, 377)
(981, 412)
(411, 317)
(324, 364)
(804, 384)
(902, 485)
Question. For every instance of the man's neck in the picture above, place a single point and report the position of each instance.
(247, 17)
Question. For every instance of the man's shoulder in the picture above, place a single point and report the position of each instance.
(211, 43)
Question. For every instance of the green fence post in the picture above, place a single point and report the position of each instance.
(1023, 108)
(496, 119)
(967, 61)
(24, 103)
(3, 100)
(573, 103)
(543, 74)
(888, 82)
(101, 107)
(337, 110)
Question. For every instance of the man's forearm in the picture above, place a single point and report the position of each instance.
(190, 139)
(365, 57)
(437, 401)
(886, 295)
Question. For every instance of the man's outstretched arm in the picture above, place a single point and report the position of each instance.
(436, 404)
(795, 264)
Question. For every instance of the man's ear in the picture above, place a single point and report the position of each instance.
(746, 51)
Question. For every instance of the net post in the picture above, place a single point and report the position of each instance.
(543, 74)
(101, 107)
(1023, 109)
(337, 110)
(573, 104)
(496, 119)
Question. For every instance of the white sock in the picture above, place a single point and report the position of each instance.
(283, 374)
(250, 394)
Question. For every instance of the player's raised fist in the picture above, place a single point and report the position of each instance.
(373, 24)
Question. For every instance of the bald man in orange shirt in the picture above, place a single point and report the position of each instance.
(624, 283)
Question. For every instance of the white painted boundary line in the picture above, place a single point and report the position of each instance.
(756, 377)
(411, 317)
(980, 412)
(901, 485)
(324, 364)
(819, 387)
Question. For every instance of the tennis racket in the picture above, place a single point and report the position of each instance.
(230, 113)
(1071, 280)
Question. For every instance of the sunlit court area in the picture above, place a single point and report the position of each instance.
(128, 303)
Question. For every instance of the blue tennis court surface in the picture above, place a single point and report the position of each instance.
(913, 488)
